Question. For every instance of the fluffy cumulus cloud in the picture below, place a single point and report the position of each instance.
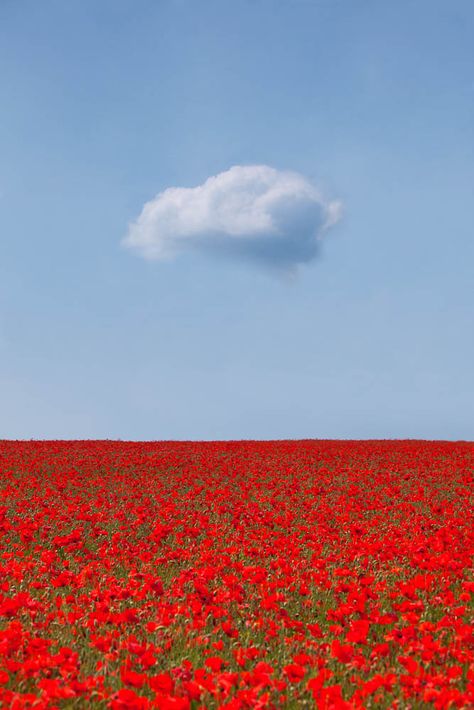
(272, 217)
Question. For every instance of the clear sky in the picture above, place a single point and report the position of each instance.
(104, 104)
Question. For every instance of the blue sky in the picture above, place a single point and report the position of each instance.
(106, 104)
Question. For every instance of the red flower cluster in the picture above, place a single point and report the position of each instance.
(236, 575)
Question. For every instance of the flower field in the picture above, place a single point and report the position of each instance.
(236, 575)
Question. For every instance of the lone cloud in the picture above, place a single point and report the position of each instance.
(272, 217)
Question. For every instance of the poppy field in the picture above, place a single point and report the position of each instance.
(176, 575)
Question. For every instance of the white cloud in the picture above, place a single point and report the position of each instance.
(270, 216)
